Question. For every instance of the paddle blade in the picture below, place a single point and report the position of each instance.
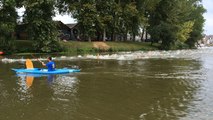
(29, 81)
(29, 64)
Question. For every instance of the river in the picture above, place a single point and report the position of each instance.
(155, 85)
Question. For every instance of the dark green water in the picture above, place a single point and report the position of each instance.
(142, 89)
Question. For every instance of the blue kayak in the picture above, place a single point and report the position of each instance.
(45, 71)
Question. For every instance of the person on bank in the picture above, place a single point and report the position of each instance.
(50, 64)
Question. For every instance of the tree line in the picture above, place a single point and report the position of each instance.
(172, 23)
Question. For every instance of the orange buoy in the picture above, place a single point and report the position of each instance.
(1, 52)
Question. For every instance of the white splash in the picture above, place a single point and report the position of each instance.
(21, 60)
(186, 54)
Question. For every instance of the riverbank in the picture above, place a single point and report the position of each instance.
(76, 47)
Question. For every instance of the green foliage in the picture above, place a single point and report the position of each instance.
(45, 36)
(130, 19)
(180, 45)
(173, 22)
(8, 18)
(168, 35)
(197, 16)
(163, 23)
(116, 17)
(87, 20)
(41, 28)
(184, 33)
(180, 21)
(24, 46)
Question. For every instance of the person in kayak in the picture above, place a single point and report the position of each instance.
(50, 65)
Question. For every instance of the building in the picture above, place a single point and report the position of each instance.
(66, 31)
(208, 39)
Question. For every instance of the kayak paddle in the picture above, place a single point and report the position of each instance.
(29, 64)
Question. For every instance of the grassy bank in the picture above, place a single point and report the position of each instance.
(85, 47)
(23, 46)
(74, 47)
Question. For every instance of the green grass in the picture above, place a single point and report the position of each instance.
(76, 44)
(132, 46)
(75, 47)
(23, 46)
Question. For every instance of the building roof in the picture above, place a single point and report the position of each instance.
(23, 26)
(71, 25)
(209, 37)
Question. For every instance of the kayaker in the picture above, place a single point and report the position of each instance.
(50, 65)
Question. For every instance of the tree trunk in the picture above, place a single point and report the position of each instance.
(133, 35)
(142, 36)
(123, 38)
(104, 35)
(113, 35)
(89, 38)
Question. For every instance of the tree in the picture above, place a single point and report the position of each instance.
(130, 20)
(175, 24)
(8, 18)
(87, 18)
(85, 12)
(116, 19)
(104, 10)
(163, 23)
(196, 15)
(145, 8)
(41, 27)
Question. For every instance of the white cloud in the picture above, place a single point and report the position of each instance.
(64, 18)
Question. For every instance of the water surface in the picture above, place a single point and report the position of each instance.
(160, 85)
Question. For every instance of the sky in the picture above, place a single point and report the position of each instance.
(65, 18)
(208, 26)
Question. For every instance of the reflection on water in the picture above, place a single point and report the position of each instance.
(25, 81)
(168, 85)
